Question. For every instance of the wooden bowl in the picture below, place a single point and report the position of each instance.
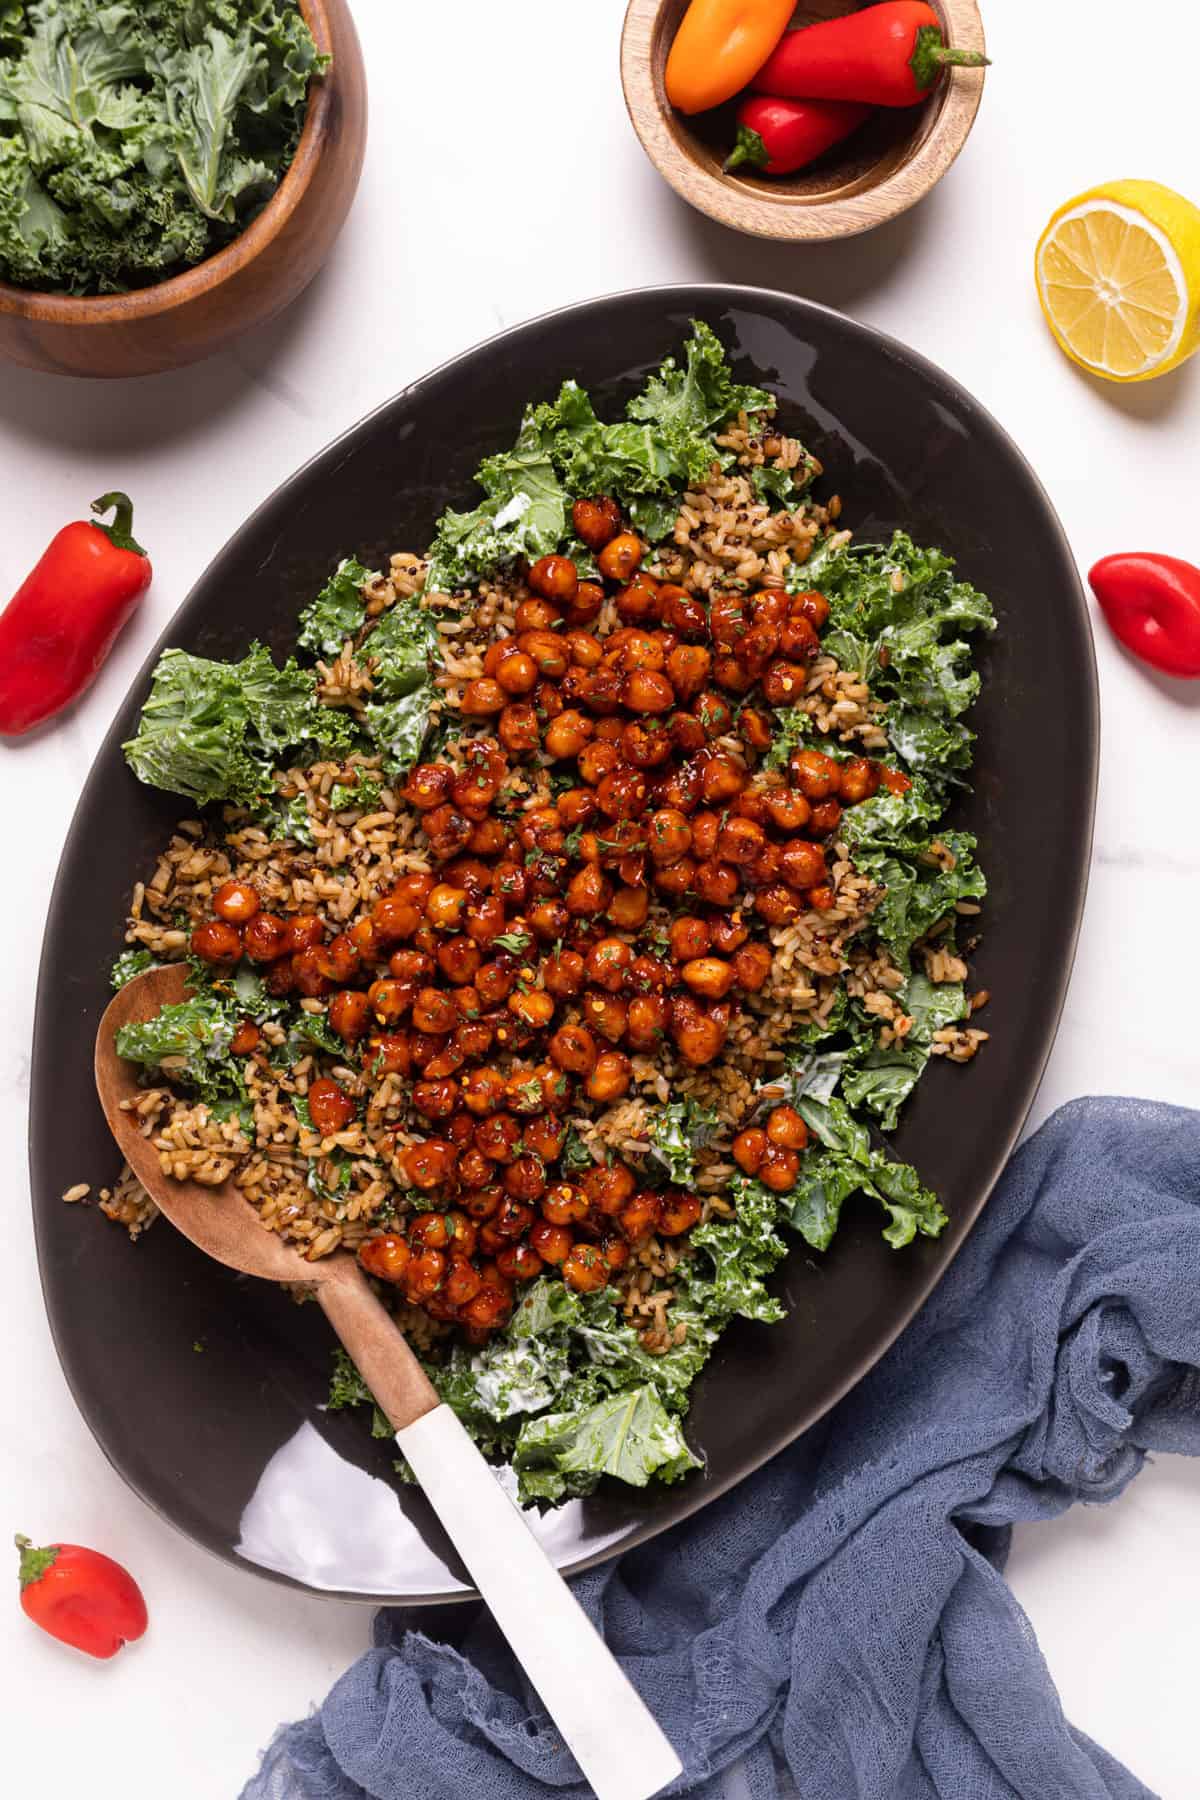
(886, 167)
(249, 282)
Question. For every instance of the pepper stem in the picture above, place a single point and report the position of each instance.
(34, 1562)
(932, 54)
(120, 532)
(749, 148)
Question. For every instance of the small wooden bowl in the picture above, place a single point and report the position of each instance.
(886, 167)
(249, 282)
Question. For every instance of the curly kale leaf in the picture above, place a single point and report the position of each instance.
(311, 1031)
(880, 1080)
(629, 1435)
(677, 1131)
(900, 620)
(631, 460)
(792, 727)
(190, 1043)
(347, 1389)
(247, 988)
(814, 1075)
(361, 794)
(603, 1352)
(919, 894)
(739, 1254)
(32, 226)
(204, 87)
(932, 1006)
(194, 734)
(338, 612)
(848, 1164)
(401, 648)
(525, 1369)
(666, 442)
(128, 966)
(72, 87)
(214, 730)
(873, 1080)
(398, 729)
(900, 824)
(12, 22)
(285, 820)
(282, 708)
(779, 488)
(688, 401)
(891, 838)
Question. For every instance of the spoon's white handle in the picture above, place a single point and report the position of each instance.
(611, 1733)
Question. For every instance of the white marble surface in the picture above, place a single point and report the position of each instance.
(547, 199)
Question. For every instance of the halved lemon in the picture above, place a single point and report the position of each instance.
(1118, 274)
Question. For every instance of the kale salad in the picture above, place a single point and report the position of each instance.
(734, 735)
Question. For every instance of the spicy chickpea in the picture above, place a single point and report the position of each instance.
(482, 697)
(597, 521)
(786, 1127)
(554, 578)
(329, 1106)
(350, 1015)
(587, 604)
(611, 1077)
(749, 1148)
(584, 1269)
(751, 965)
(236, 902)
(264, 939)
(385, 1257)
(779, 1169)
(678, 1213)
(815, 774)
(429, 1164)
(629, 908)
(217, 943)
(619, 559)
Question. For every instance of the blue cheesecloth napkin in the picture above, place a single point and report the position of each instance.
(841, 1617)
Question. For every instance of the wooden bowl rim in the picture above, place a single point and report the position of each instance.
(790, 216)
(164, 296)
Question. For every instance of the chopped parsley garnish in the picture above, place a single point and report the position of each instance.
(516, 941)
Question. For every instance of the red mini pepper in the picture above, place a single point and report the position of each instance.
(1153, 606)
(80, 1597)
(887, 55)
(779, 136)
(60, 625)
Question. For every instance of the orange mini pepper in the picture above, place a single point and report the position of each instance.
(719, 46)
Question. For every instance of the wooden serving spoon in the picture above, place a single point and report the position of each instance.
(615, 1740)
